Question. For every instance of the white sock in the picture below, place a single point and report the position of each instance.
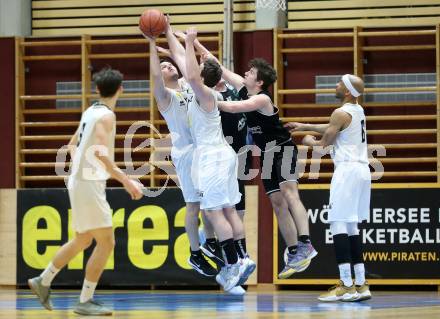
(359, 274)
(49, 274)
(345, 274)
(87, 291)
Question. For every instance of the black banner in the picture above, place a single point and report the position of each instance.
(151, 244)
(401, 238)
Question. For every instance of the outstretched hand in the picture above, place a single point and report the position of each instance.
(164, 51)
(180, 34)
(191, 35)
(206, 56)
(308, 140)
(168, 24)
(295, 126)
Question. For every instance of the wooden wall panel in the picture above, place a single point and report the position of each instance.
(336, 14)
(109, 17)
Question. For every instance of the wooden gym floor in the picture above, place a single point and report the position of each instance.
(214, 304)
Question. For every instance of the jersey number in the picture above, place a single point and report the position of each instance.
(81, 134)
(363, 130)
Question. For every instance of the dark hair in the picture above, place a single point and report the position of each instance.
(169, 60)
(108, 81)
(266, 72)
(211, 73)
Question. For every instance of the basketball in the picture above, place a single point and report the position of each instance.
(152, 23)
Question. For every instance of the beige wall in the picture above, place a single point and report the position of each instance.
(8, 237)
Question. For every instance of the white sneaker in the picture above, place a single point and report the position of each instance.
(237, 291)
(229, 276)
(248, 266)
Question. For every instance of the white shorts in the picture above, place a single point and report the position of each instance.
(183, 163)
(90, 209)
(214, 173)
(350, 193)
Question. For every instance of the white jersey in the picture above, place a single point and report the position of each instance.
(85, 165)
(176, 118)
(206, 127)
(351, 143)
(214, 169)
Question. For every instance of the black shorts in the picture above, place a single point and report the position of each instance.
(246, 159)
(279, 170)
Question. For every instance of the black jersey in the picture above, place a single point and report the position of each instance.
(233, 124)
(265, 129)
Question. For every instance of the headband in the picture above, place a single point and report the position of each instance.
(349, 86)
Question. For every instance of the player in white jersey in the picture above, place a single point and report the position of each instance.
(215, 163)
(172, 96)
(211, 247)
(350, 186)
(92, 152)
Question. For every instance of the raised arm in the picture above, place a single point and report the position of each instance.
(200, 48)
(202, 92)
(297, 127)
(232, 78)
(161, 93)
(338, 120)
(177, 50)
(103, 129)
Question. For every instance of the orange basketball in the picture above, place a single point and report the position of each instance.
(152, 23)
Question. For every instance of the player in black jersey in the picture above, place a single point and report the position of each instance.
(276, 146)
(235, 130)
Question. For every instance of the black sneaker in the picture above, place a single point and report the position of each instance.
(201, 265)
(214, 253)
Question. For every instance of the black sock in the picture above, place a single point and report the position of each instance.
(305, 239)
(211, 241)
(240, 247)
(195, 253)
(229, 252)
(292, 249)
(342, 248)
(356, 249)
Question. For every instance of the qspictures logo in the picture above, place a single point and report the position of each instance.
(161, 150)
